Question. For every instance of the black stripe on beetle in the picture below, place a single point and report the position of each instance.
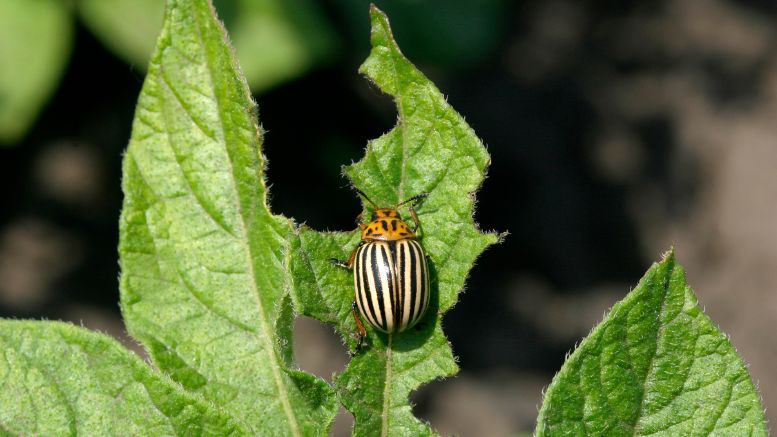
(391, 277)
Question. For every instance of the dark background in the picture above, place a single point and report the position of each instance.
(615, 130)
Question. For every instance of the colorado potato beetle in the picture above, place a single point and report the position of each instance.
(390, 272)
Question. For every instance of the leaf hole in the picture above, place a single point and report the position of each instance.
(343, 424)
(318, 350)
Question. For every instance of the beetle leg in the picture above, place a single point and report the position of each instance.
(414, 201)
(347, 264)
(353, 256)
(414, 216)
(339, 263)
(359, 326)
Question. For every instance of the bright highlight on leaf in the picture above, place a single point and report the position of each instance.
(204, 262)
(59, 379)
(655, 366)
(431, 150)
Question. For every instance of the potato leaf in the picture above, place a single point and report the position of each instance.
(205, 265)
(431, 150)
(59, 379)
(657, 366)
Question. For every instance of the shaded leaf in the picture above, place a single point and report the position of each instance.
(59, 379)
(204, 262)
(35, 40)
(655, 366)
(450, 34)
(430, 150)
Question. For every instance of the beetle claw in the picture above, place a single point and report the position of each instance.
(339, 263)
(360, 346)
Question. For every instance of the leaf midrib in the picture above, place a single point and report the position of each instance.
(387, 388)
(659, 334)
(400, 197)
(402, 127)
(264, 335)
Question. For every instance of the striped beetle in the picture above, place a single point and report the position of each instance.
(390, 274)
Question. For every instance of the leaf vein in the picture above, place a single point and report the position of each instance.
(197, 295)
(264, 333)
(652, 360)
(215, 218)
(186, 107)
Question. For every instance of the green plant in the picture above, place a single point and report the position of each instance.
(211, 281)
(656, 365)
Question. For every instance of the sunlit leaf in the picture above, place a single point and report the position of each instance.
(59, 379)
(655, 366)
(205, 264)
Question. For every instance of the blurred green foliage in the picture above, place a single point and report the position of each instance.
(275, 40)
(35, 40)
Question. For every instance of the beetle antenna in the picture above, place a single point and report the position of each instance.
(415, 200)
(361, 193)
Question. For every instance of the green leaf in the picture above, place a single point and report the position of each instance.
(35, 40)
(656, 366)
(59, 379)
(205, 264)
(274, 39)
(430, 150)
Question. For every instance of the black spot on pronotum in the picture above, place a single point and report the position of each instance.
(384, 225)
(394, 225)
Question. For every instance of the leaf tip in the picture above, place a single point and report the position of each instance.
(668, 257)
(376, 14)
(380, 32)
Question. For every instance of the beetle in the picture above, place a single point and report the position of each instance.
(390, 272)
